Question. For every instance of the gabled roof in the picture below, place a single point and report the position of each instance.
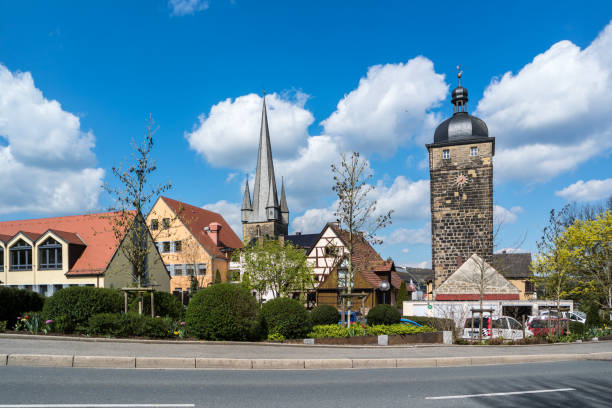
(95, 230)
(5, 238)
(463, 284)
(365, 259)
(33, 236)
(196, 219)
(418, 275)
(513, 266)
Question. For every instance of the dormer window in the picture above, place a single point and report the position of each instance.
(446, 154)
(50, 254)
(474, 151)
(21, 256)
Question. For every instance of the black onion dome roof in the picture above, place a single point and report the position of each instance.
(461, 126)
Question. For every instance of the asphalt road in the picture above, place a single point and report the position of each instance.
(591, 382)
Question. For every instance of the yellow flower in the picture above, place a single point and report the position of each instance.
(176, 333)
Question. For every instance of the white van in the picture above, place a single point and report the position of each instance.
(505, 326)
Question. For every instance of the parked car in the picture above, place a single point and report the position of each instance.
(355, 317)
(540, 326)
(575, 316)
(504, 326)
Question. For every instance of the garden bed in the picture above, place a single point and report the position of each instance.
(416, 338)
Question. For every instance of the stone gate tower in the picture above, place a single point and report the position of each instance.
(264, 216)
(461, 189)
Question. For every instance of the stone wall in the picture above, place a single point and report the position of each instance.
(271, 229)
(461, 196)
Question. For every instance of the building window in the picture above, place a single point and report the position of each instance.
(202, 270)
(446, 154)
(166, 223)
(177, 246)
(166, 246)
(50, 255)
(529, 287)
(178, 271)
(1, 257)
(474, 151)
(21, 256)
(154, 224)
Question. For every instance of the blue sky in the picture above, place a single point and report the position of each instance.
(78, 79)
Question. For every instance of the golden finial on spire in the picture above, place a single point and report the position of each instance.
(459, 74)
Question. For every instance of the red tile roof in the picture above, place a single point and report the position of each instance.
(196, 219)
(93, 230)
(367, 261)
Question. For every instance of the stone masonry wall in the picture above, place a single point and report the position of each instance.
(461, 215)
(271, 229)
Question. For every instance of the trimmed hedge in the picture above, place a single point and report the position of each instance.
(223, 311)
(437, 323)
(71, 308)
(15, 301)
(128, 325)
(324, 314)
(166, 305)
(383, 314)
(577, 328)
(335, 330)
(285, 317)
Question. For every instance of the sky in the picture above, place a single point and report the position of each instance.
(79, 79)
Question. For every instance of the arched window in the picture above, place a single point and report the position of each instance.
(1, 258)
(50, 254)
(21, 256)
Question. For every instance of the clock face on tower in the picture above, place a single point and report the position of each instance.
(461, 180)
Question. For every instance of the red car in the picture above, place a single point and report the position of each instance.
(540, 327)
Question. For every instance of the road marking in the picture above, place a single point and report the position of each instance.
(98, 406)
(495, 394)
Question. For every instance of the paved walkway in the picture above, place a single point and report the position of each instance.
(24, 344)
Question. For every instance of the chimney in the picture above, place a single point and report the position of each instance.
(459, 261)
(213, 230)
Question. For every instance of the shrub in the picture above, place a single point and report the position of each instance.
(284, 316)
(335, 330)
(15, 301)
(438, 323)
(402, 295)
(122, 325)
(223, 311)
(577, 328)
(324, 314)
(2, 326)
(394, 329)
(72, 307)
(383, 314)
(166, 305)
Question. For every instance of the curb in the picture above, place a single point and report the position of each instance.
(45, 360)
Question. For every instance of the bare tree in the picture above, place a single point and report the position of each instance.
(356, 212)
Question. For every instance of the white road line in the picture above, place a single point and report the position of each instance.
(494, 394)
(98, 406)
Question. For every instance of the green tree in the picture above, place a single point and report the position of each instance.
(589, 247)
(277, 267)
(402, 294)
(218, 277)
(133, 195)
(356, 212)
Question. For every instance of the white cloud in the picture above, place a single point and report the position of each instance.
(554, 114)
(422, 265)
(313, 220)
(504, 216)
(410, 236)
(389, 107)
(45, 164)
(230, 212)
(229, 135)
(511, 251)
(405, 250)
(408, 199)
(587, 191)
(185, 7)
(231, 177)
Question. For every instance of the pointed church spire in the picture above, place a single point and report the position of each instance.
(283, 204)
(246, 200)
(264, 190)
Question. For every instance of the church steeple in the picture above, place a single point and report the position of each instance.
(284, 208)
(264, 213)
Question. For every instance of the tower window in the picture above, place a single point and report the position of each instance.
(474, 151)
(446, 154)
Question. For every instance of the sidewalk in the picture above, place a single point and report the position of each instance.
(15, 349)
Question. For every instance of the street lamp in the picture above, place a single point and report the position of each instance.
(384, 287)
